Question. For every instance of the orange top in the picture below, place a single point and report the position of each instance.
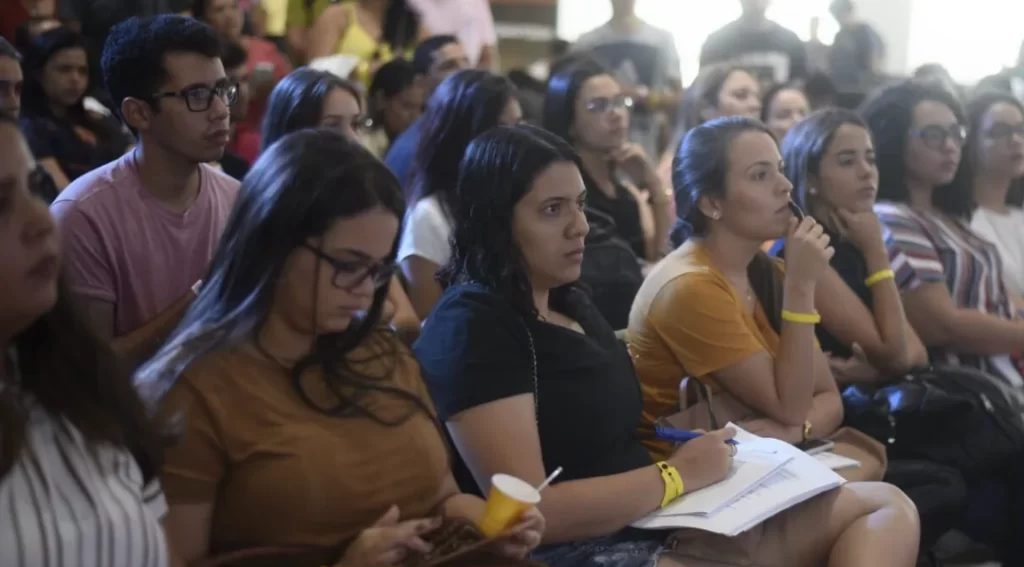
(688, 320)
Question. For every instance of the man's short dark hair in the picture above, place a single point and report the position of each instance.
(423, 58)
(133, 56)
(233, 55)
(8, 50)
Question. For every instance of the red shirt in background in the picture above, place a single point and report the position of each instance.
(12, 15)
(246, 142)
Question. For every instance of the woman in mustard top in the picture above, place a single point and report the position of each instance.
(718, 309)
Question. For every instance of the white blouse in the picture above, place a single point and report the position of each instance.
(427, 232)
(70, 503)
(1006, 231)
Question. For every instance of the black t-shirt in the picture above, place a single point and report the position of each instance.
(234, 165)
(624, 210)
(851, 266)
(774, 53)
(78, 147)
(475, 349)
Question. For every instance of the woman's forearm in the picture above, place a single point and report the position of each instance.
(466, 506)
(596, 507)
(826, 413)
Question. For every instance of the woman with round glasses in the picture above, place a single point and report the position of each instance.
(308, 98)
(302, 421)
(995, 150)
(587, 107)
(949, 276)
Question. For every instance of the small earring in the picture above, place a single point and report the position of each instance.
(812, 190)
(715, 215)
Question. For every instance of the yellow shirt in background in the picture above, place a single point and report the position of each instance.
(277, 17)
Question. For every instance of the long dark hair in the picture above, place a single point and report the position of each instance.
(498, 169)
(34, 101)
(401, 26)
(564, 87)
(392, 79)
(889, 114)
(72, 374)
(976, 107)
(295, 191)
(298, 102)
(807, 142)
(464, 106)
(699, 170)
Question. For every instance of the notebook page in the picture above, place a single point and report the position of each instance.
(750, 467)
(836, 462)
(802, 478)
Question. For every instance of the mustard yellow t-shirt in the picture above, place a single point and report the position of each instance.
(281, 473)
(688, 321)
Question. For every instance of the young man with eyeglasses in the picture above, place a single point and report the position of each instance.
(140, 232)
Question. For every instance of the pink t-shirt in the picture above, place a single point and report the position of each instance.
(120, 245)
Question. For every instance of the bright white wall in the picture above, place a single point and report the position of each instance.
(690, 21)
(972, 38)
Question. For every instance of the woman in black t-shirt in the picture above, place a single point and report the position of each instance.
(587, 107)
(66, 137)
(529, 378)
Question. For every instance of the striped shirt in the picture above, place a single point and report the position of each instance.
(925, 248)
(69, 503)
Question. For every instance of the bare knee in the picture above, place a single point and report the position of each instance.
(869, 497)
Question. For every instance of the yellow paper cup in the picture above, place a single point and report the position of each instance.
(509, 498)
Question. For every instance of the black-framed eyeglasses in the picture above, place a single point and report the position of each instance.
(935, 136)
(350, 274)
(1004, 131)
(604, 104)
(199, 99)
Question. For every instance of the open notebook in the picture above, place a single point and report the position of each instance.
(768, 477)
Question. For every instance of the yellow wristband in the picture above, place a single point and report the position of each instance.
(880, 275)
(673, 483)
(808, 318)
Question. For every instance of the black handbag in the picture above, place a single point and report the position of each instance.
(958, 417)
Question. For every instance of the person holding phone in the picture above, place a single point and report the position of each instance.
(304, 420)
(265, 64)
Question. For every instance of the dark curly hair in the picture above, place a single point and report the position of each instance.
(498, 169)
(133, 56)
(889, 114)
(465, 105)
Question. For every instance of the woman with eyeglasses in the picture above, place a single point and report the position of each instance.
(464, 106)
(950, 277)
(588, 108)
(995, 150)
(303, 422)
(308, 98)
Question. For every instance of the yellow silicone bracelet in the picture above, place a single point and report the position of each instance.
(808, 318)
(669, 476)
(879, 276)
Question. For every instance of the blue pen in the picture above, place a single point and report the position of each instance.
(680, 436)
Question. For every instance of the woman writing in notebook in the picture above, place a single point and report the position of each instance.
(529, 377)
